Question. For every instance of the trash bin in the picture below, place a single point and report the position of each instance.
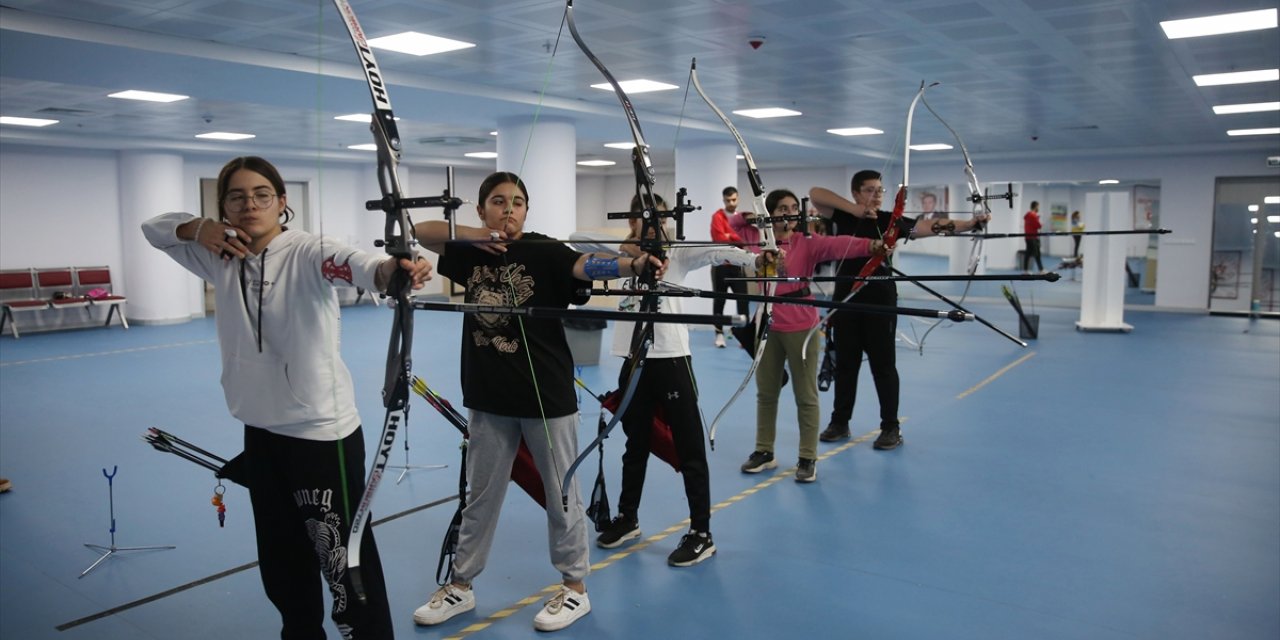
(584, 336)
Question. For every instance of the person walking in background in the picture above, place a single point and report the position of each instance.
(1077, 228)
(721, 231)
(1031, 226)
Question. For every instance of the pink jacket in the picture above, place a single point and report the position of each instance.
(802, 257)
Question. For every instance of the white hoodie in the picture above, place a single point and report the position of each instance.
(670, 339)
(294, 384)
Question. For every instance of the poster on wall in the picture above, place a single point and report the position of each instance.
(1146, 207)
(1224, 275)
(1057, 217)
(930, 202)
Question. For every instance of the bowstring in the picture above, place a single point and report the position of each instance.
(528, 352)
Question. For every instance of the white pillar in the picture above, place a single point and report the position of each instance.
(544, 155)
(1102, 293)
(159, 290)
(705, 169)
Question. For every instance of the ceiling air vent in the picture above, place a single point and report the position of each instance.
(58, 111)
(453, 141)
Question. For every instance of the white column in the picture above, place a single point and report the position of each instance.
(705, 169)
(1102, 293)
(159, 290)
(544, 155)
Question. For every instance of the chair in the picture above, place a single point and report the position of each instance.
(89, 279)
(59, 288)
(18, 293)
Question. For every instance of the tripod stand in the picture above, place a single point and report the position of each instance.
(406, 467)
(107, 552)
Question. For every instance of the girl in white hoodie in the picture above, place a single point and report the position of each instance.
(283, 377)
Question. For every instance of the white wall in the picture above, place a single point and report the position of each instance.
(61, 207)
(1186, 203)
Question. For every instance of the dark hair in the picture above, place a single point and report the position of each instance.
(728, 191)
(771, 201)
(258, 166)
(501, 177)
(635, 201)
(862, 177)
(1035, 204)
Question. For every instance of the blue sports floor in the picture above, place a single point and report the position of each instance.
(1093, 485)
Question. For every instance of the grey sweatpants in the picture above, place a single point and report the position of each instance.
(490, 453)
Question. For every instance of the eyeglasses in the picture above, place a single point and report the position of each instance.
(872, 190)
(238, 202)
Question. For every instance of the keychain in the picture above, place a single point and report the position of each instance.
(218, 491)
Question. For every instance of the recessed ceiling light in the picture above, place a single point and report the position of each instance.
(1253, 221)
(931, 147)
(482, 154)
(368, 146)
(1271, 200)
(1219, 24)
(147, 96)
(1273, 219)
(493, 133)
(1252, 107)
(359, 117)
(856, 131)
(596, 163)
(418, 44)
(1108, 181)
(740, 157)
(224, 135)
(1236, 77)
(1253, 208)
(620, 145)
(1265, 131)
(26, 122)
(767, 112)
(637, 86)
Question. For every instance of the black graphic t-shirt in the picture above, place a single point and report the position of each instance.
(844, 223)
(497, 348)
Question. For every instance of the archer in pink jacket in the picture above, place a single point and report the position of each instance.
(798, 256)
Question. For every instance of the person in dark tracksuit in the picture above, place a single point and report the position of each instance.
(856, 333)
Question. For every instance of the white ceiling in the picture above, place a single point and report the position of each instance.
(1019, 78)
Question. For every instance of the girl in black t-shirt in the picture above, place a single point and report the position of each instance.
(517, 381)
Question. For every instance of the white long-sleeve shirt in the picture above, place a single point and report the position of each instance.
(284, 299)
(670, 339)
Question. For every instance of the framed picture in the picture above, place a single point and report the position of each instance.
(1224, 275)
(1057, 217)
(1146, 207)
(930, 202)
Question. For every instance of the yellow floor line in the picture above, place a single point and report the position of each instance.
(665, 533)
(995, 375)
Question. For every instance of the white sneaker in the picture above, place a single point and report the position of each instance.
(447, 602)
(720, 340)
(562, 610)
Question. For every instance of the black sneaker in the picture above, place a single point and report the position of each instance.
(758, 461)
(834, 432)
(890, 438)
(806, 470)
(695, 547)
(622, 529)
